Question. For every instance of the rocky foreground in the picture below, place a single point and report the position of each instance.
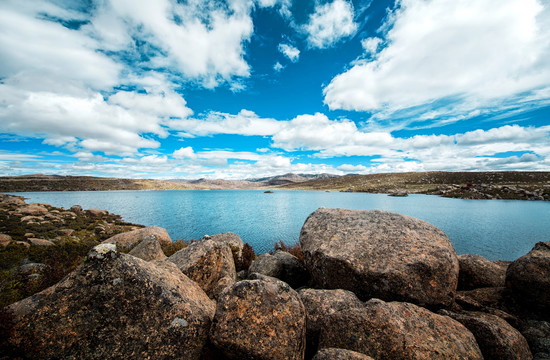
(371, 285)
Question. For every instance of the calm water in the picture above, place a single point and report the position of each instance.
(496, 229)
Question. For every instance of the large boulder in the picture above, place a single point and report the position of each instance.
(320, 304)
(259, 319)
(130, 239)
(208, 263)
(115, 306)
(496, 338)
(529, 276)
(148, 249)
(283, 266)
(478, 272)
(233, 240)
(340, 354)
(380, 254)
(394, 330)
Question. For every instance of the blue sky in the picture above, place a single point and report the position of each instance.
(247, 88)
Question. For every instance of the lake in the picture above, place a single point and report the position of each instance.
(495, 229)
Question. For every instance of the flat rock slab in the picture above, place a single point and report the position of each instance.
(380, 254)
(260, 319)
(115, 306)
(398, 331)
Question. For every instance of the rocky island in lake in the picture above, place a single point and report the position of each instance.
(360, 285)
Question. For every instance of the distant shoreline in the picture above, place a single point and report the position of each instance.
(511, 185)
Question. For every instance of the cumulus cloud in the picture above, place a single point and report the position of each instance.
(184, 153)
(202, 39)
(245, 122)
(278, 67)
(121, 124)
(29, 42)
(62, 67)
(370, 45)
(317, 132)
(451, 59)
(329, 24)
(291, 52)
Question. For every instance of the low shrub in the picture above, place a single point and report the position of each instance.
(60, 259)
(176, 246)
(295, 250)
(248, 255)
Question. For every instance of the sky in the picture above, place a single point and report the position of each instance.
(241, 89)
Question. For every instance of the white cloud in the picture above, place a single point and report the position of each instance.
(317, 132)
(202, 39)
(184, 153)
(30, 43)
(121, 124)
(291, 52)
(329, 24)
(13, 156)
(278, 67)
(160, 104)
(244, 123)
(283, 5)
(353, 168)
(370, 45)
(57, 83)
(454, 59)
